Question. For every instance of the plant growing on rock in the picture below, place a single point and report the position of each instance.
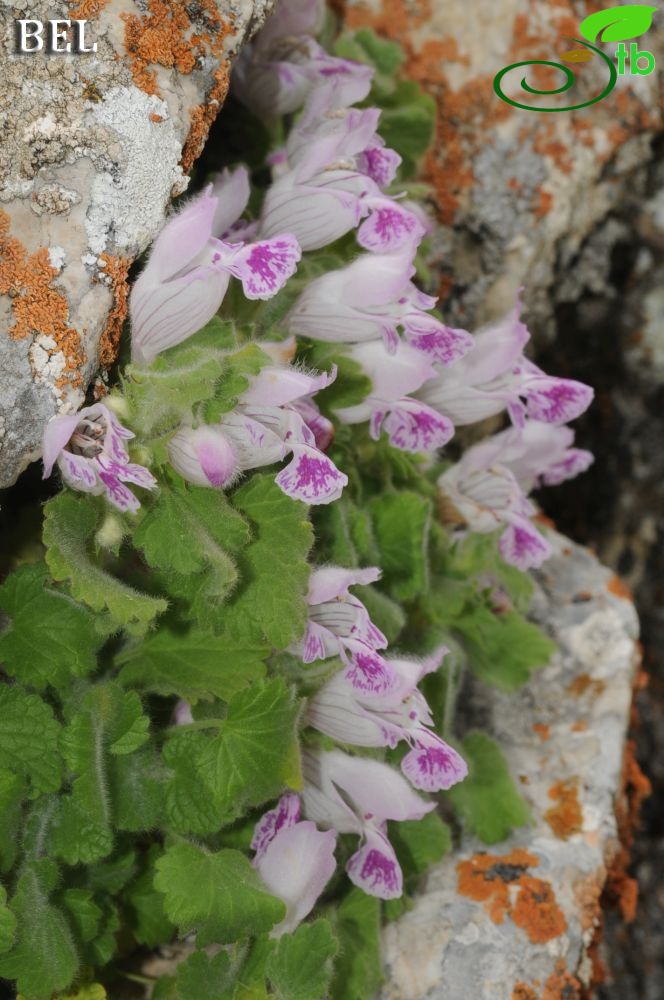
(230, 694)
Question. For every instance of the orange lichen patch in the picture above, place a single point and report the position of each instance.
(203, 116)
(584, 683)
(579, 727)
(36, 305)
(619, 588)
(542, 730)
(566, 817)
(587, 893)
(523, 992)
(165, 35)
(542, 519)
(536, 911)
(117, 269)
(562, 985)
(86, 8)
(154, 117)
(543, 203)
(502, 883)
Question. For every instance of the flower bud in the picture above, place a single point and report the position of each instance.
(204, 456)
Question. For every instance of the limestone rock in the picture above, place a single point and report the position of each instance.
(92, 148)
(516, 921)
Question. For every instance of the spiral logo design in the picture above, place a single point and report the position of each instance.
(569, 82)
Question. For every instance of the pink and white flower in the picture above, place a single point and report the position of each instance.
(372, 299)
(486, 490)
(294, 860)
(339, 625)
(326, 187)
(410, 424)
(203, 456)
(191, 264)
(356, 795)
(401, 713)
(494, 375)
(90, 451)
(284, 67)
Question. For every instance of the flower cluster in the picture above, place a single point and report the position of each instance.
(373, 701)
(333, 176)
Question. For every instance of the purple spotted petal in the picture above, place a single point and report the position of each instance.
(389, 227)
(414, 426)
(265, 267)
(379, 163)
(375, 869)
(317, 643)
(79, 472)
(444, 344)
(311, 476)
(522, 545)
(116, 492)
(367, 670)
(285, 814)
(575, 461)
(434, 767)
(557, 400)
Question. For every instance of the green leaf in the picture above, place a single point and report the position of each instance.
(250, 759)
(368, 47)
(69, 524)
(190, 533)
(358, 969)
(407, 123)
(229, 900)
(201, 977)
(85, 913)
(7, 923)
(12, 793)
(193, 665)
(50, 638)
(147, 919)
(29, 739)
(110, 724)
(619, 23)
(420, 843)
(269, 604)
(136, 788)
(503, 648)
(300, 967)
(190, 807)
(401, 524)
(43, 958)
(488, 799)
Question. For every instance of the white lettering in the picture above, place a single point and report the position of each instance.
(23, 34)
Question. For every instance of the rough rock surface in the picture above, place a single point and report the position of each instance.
(517, 921)
(92, 148)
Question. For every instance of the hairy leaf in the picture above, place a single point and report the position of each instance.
(401, 524)
(358, 970)
(269, 603)
(50, 638)
(229, 902)
(192, 664)
(69, 523)
(29, 739)
(503, 648)
(420, 843)
(251, 758)
(488, 799)
(43, 958)
(300, 966)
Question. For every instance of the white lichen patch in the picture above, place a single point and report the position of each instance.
(46, 361)
(129, 210)
(57, 257)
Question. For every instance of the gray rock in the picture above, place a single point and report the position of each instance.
(563, 735)
(92, 149)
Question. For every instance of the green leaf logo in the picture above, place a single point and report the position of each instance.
(619, 23)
